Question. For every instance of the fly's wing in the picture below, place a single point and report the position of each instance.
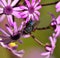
(36, 24)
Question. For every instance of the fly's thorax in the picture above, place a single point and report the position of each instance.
(29, 27)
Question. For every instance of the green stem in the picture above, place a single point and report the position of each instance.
(36, 40)
(53, 3)
(43, 28)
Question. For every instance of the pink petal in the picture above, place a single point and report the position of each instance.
(39, 0)
(45, 53)
(38, 7)
(18, 53)
(55, 40)
(10, 31)
(23, 7)
(2, 17)
(27, 19)
(33, 2)
(36, 17)
(10, 19)
(3, 45)
(57, 5)
(1, 10)
(26, 36)
(57, 34)
(52, 42)
(4, 2)
(14, 2)
(57, 28)
(37, 12)
(28, 3)
(24, 16)
(48, 56)
(32, 17)
(58, 9)
(48, 48)
(21, 26)
(4, 32)
(25, 12)
(9, 2)
(58, 19)
(17, 9)
(36, 4)
(16, 14)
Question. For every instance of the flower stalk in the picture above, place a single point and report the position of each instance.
(36, 40)
(43, 28)
(52, 3)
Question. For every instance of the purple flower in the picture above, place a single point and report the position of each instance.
(9, 9)
(55, 23)
(57, 7)
(57, 30)
(49, 48)
(13, 33)
(12, 47)
(30, 11)
(10, 36)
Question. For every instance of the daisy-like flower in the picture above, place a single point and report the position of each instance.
(57, 7)
(49, 48)
(30, 10)
(55, 23)
(9, 9)
(12, 47)
(13, 33)
(57, 30)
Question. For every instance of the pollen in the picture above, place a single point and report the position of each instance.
(12, 44)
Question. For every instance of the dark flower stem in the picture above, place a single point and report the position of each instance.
(53, 3)
(36, 40)
(44, 28)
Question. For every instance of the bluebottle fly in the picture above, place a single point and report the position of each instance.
(30, 25)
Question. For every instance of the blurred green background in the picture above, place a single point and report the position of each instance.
(29, 44)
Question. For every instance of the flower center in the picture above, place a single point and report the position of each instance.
(8, 10)
(31, 9)
(15, 37)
